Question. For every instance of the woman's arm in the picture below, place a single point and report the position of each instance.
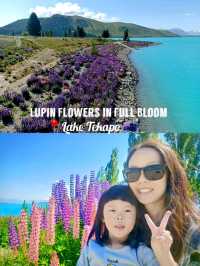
(167, 260)
(161, 245)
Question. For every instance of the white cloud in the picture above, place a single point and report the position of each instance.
(70, 9)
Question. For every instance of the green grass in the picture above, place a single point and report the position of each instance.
(11, 54)
(67, 248)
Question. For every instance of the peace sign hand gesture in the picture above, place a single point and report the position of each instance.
(161, 239)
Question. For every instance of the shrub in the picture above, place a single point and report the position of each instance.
(6, 116)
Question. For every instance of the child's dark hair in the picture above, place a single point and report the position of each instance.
(117, 192)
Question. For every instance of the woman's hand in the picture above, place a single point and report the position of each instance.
(161, 240)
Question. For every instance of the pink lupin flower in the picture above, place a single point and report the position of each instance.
(89, 204)
(50, 237)
(93, 213)
(76, 225)
(35, 236)
(85, 235)
(54, 259)
(93, 216)
(32, 209)
(23, 230)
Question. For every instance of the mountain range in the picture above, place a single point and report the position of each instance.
(185, 33)
(59, 24)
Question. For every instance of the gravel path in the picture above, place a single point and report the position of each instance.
(45, 59)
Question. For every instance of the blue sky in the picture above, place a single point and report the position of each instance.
(163, 14)
(31, 163)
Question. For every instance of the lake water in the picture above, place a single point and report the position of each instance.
(170, 77)
(14, 209)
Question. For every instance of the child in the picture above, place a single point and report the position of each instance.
(115, 233)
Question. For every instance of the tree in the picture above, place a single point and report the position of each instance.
(75, 33)
(25, 206)
(66, 33)
(111, 170)
(105, 34)
(94, 50)
(187, 146)
(101, 175)
(69, 32)
(81, 32)
(33, 25)
(126, 35)
(134, 139)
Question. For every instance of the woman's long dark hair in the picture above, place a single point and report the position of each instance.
(117, 192)
(177, 198)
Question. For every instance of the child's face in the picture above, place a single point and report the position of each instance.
(119, 217)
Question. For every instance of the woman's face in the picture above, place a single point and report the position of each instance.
(147, 191)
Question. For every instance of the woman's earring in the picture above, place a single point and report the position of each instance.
(103, 227)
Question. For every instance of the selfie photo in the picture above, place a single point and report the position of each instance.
(125, 199)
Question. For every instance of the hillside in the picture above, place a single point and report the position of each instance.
(59, 24)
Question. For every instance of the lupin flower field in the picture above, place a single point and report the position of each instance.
(56, 234)
(92, 76)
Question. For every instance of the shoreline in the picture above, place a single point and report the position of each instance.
(132, 80)
(127, 91)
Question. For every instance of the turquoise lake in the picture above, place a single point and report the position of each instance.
(14, 209)
(169, 76)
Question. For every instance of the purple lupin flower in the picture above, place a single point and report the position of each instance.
(56, 194)
(66, 213)
(58, 190)
(84, 188)
(43, 219)
(6, 115)
(62, 189)
(72, 187)
(77, 188)
(83, 196)
(13, 236)
(56, 197)
(92, 177)
(64, 205)
(105, 186)
(63, 208)
(97, 190)
(35, 124)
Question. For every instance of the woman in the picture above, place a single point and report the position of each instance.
(158, 180)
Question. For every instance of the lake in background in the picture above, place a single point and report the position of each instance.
(170, 77)
(14, 209)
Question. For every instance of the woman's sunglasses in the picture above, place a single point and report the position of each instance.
(151, 172)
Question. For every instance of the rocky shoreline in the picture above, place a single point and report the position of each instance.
(126, 96)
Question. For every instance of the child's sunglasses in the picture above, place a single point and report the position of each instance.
(151, 172)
